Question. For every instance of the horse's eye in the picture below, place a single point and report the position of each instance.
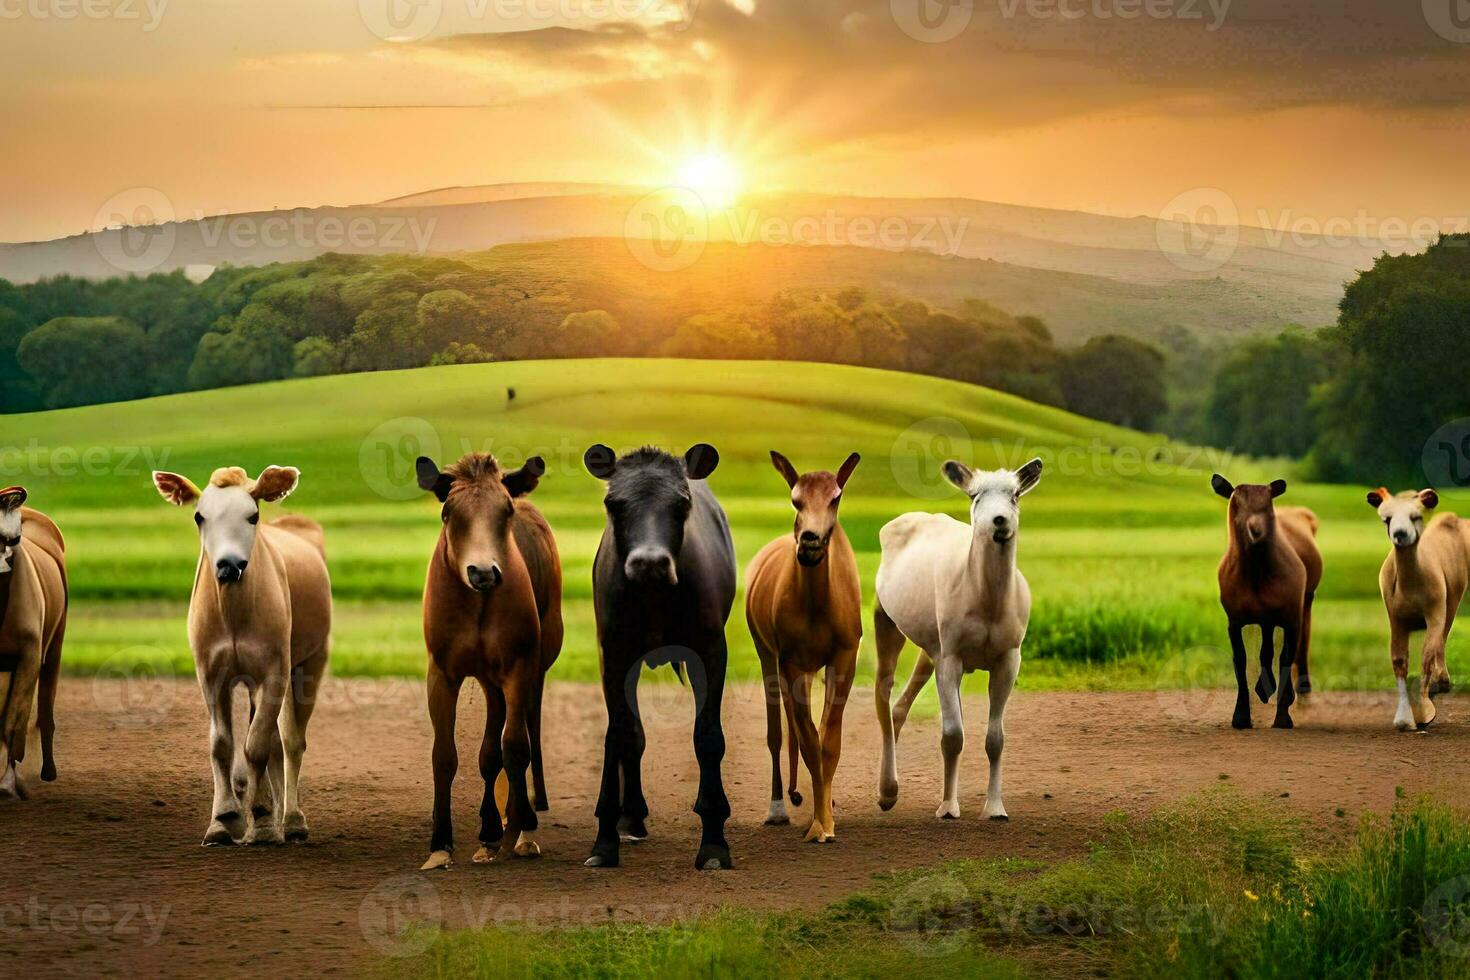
(198, 518)
(254, 518)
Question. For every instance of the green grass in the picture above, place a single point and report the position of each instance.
(1212, 886)
(1119, 542)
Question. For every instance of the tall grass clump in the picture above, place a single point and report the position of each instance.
(1397, 905)
(1104, 631)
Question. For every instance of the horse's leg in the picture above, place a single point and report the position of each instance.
(948, 672)
(712, 805)
(890, 645)
(793, 745)
(1002, 680)
(1441, 683)
(631, 825)
(1303, 670)
(306, 680)
(1398, 651)
(838, 687)
(615, 677)
(46, 702)
(262, 741)
(1266, 683)
(492, 762)
(15, 709)
(533, 730)
(796, 685)
(515, 745)
(772, 685)
(1290, 633)
(1436, 633)
(227, 820)
(923, 670)
(443, 704)
(1242, 716)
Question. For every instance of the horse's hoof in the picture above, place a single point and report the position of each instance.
(776, 815)
(48, 768)
(1304, 685)
(1265, 688)
(217, 837)
(795, 796)
(815, 834)
(999, 817)
(632, 830)
(713, 857)
(1440, 686)
(948, 811)
(296, 830)
(1241, 720)
(437, 860)
(223, 830)
(1425, 713)
(268, 836)
(483, 855)
(1282, 721)
(603, 856)
(1404, 724)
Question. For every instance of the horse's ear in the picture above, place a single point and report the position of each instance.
(275, 483)
(1278, 487)
(844, 472)
(525, 479)
(1429, 498)
(600, 461)
(958, 473)
(1222, 486)
(12, 497)
(700, 461)
(1029, 475)
(177, 490)
(1377, 497)
(430, 479)
(784, 467)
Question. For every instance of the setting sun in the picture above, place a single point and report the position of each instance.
(713, 176)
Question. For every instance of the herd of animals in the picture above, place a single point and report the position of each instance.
(664, 583)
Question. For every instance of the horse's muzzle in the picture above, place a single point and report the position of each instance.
(230, 570)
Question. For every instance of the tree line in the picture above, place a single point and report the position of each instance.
(68, 341)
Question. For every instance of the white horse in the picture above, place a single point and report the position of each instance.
(955, 591)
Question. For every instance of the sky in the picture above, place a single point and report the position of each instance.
(1300, 110)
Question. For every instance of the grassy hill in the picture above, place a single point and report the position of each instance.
(1119, 541)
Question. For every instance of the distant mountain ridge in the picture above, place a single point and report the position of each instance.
(1056, 262)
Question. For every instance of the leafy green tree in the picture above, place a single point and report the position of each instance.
(1116, 379)
(593, 333)
(1402, 332)
(315, 356)
(720, 335)
(85, 360)
(1261, 399)
(18, 392)
(257, 345)
(447, 316)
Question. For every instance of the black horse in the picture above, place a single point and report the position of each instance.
(662, 586)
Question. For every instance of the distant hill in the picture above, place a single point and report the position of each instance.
(1084, 273)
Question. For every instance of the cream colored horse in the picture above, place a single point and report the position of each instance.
(261, 615)
(956, 592)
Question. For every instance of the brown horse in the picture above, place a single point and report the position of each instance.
(1268, 578)
(492, 612)
(33, 601)
(803, 604)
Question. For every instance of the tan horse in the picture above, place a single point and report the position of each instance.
(492, 612)
(268, 628)
(1422, 582)
(32, 624)
(803, 604)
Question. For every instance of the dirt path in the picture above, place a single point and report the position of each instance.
(102, 872)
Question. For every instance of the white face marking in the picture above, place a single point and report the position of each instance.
(994, 493)
(227, 531)
(9, 538)
(1404, 520)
